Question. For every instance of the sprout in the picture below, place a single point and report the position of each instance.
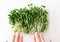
(29, 20)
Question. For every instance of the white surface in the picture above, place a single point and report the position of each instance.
(53, 7)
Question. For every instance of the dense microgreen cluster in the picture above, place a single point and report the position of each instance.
(29, 20)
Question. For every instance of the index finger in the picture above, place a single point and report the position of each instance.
(13, 39)
(42, 38)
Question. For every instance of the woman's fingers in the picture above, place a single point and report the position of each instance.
(21, 39)
(34, 39)
(14, 36)
(42, 38)
(38, 38)
(17, 38)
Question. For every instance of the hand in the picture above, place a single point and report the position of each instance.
(17, 38)
(37, 37)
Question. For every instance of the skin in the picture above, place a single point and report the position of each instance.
(17, 38)
(37, 37)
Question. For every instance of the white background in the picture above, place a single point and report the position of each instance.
(53, 7)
